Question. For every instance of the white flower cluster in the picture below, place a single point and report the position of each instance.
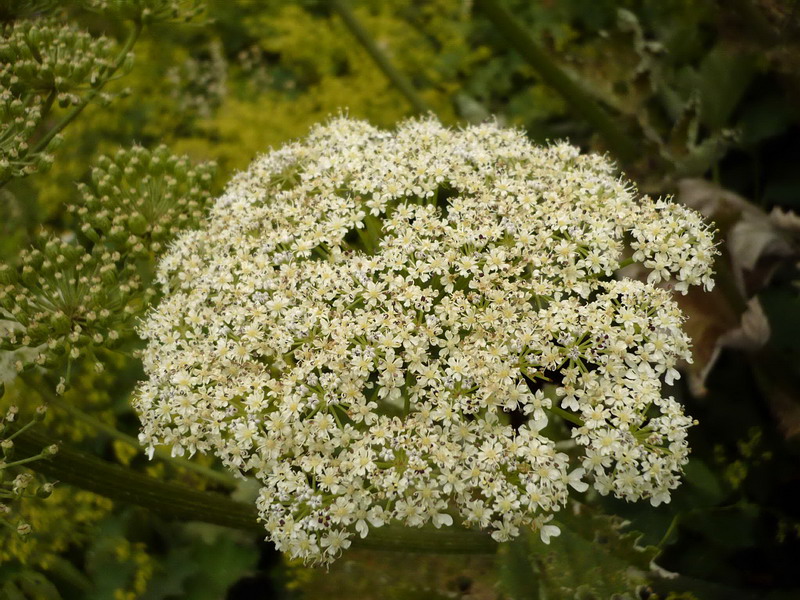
(381, 326)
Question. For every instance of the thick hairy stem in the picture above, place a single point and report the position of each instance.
(178, 501)
(125, 485)
(218, 477)
(344, 11)
(224, 479)
(519, 39)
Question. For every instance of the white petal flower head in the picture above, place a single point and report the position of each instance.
(377, 325)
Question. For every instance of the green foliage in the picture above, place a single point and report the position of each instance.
(596, 557)
(204, 567)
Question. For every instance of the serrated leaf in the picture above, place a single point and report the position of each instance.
(594, 557)
(700, 158)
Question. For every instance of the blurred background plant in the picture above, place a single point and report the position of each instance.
(114, 115)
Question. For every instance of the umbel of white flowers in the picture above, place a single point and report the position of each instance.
(399, 326)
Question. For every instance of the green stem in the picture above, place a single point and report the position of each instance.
(566, 415)
(24, 461)
(20, 430)
(403, 85)
(223, 479)
(670, 530)
(518, 574)
(48, 104)
(92, 94)
(178, 501)
(118, 483)
(625, 263)
(519, 39)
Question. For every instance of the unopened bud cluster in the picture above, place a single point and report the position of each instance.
(71, 297)
(44, 56)
(380, 326)
(67, 297)
(42, 63)
(16, 484)
(140, 199)
(18, 121)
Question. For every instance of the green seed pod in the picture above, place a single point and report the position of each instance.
(60, 323)
(138, 224)
(7, 446)
(45, 490)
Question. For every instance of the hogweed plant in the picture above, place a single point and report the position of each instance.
(425, 326)
(72, 296)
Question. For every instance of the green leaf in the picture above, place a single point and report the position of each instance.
(63, 571)
(702, 479)
(37, 586)
(727, 529)
(221, 564)
(594, 557)
(173, 572)
(517, 572)
(108, 571)
(11, 592)
(722, 79)
(202, 564)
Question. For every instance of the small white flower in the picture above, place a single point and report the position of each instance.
(440, 519)
(576, 480)
(548, 531)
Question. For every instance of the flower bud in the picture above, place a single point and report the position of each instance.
(50, 450)
(7, 446)
(45, 490)
(40, 413)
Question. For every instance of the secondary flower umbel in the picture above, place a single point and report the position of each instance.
(378, 325)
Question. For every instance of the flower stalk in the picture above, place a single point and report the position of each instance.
(174, 500)
(403, 85)
(622, 145)
(220, 478)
